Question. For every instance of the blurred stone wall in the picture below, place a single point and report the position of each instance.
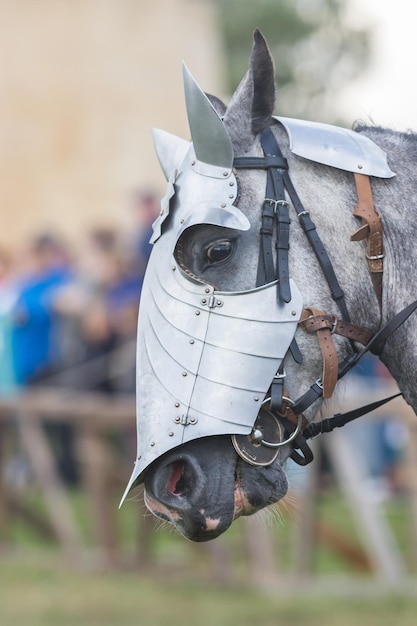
(81, 84)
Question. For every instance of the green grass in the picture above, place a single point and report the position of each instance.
(181, 586)
(39, 591)
(168, 546)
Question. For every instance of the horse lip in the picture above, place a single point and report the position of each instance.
(160, 510)
(241, 503)
(238, 501)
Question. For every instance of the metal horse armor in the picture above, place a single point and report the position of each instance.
(206, 358)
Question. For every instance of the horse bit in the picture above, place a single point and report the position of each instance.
(283, 423)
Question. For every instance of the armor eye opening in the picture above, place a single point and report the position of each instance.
(219, 251)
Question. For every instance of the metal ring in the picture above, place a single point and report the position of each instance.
(293, 435)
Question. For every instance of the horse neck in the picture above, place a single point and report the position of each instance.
(395, 201)
(332, 197)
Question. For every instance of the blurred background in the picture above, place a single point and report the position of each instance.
(81, 84)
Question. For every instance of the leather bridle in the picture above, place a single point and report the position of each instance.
(283, 413)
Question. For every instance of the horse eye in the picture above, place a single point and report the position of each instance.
(219, 251)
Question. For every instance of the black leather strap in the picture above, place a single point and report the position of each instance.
(275, 208)
(282, 247)
(327, 425)
(260, 163)
(266, 269)
(341, 419)
(277, 387)
(275, 193)
(319, 250)
(281, 175)
(299, 443)
(296, 352)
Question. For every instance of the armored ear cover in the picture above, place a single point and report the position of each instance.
(170, 149)
(212, 143)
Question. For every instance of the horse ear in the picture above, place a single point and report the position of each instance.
(218, 104)
(252, 105)
(170, 149)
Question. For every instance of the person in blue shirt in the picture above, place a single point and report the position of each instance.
(33, 346)
(34, 332)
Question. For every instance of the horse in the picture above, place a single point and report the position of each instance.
(282, 253)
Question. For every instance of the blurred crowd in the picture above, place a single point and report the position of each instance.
(68, 317)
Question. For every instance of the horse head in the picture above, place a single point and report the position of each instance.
(238, 327)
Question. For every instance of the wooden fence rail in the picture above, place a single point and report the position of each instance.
(95, 418)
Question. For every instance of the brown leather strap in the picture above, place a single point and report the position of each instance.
(328, 350)
(371, 230)
(337, 326)
(290, 415)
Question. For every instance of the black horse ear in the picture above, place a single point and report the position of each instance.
(252, 105)
(263, 101)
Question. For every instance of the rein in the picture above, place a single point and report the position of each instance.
(275, 212)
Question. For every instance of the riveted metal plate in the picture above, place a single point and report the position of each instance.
(336, 147)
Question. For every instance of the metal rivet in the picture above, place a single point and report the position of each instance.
(231, 196)
(177, 419)
(177, 404)
(219, 302)
(193, 420)
(197, 312)
(207, 289)
(204, 301)
(223, 205)
(184, 373)
(293, 312)
(232, 184)
(192, 162)
(171, 434)
(161, 212)
(360, 167)
(152, 443)
(182, 222)
(257, 437)
(256, 398)
(225, 173)
(191, 341)
(139, 457)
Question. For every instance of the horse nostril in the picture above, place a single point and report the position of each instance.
(176, 481)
